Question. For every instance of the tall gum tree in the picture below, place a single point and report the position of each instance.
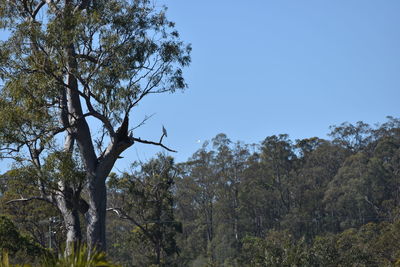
(65, 61)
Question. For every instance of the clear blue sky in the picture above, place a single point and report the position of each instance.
(263, 67)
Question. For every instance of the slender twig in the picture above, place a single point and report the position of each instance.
(146, 118)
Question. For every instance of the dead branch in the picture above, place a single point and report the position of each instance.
(22, 199)
(153, 143)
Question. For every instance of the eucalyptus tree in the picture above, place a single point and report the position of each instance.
(231, 162)
(353, 137)
(65, 62)
(278, 157)
(197, 192)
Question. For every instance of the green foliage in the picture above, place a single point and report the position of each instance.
(277, 249)
(16, 245)
(80, 257)
(146, 196)
(370, 245)
(105, 33)
(65, 167)
(10, 238)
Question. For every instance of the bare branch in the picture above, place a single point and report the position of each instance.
(143, 122)
(164, 134)
(87, 57)
(29, 199)
(10, 150)
(37, 9)
(153, 143)
(100, 141)
(90, 107)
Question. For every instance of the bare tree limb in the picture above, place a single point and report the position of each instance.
(87, 57)
(143, 122)
(37, 9)
(153, 143)
(29, 199)
(90, 107)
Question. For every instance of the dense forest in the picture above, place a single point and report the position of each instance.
(309, 202)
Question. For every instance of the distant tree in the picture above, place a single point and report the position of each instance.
(318, 163)
(65, 62)
(256, 202)
(193, 240)
(353, 137)
(231, 160)
(145, 199)
(277, 159)
(196, 195)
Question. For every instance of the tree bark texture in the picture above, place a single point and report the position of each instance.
(71, 223)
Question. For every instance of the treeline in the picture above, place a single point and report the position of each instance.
(309, 202)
